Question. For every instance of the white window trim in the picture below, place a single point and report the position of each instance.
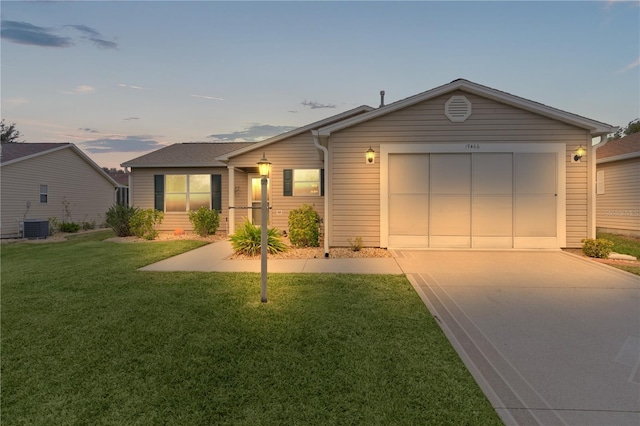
(187, 193)
(46, 187)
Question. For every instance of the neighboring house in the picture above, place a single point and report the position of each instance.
(458, 166)
(122, 192)
(44, 180)
(618, 186)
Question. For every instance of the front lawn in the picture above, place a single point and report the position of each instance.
(624, 245)
(88, 339)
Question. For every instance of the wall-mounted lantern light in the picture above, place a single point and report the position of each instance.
(370, 156)
(265, 168)
(580, 152)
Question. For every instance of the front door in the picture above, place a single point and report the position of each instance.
(255, 194)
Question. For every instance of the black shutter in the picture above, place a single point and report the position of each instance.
(288, 182)
(216, 192)
(322, 182)
(158, 189)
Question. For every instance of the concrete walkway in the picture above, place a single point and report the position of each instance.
(550, 337)
(215, 257)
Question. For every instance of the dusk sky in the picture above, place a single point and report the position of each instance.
(120, 78)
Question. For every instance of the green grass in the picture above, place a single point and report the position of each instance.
(624, 245)
(88, 339)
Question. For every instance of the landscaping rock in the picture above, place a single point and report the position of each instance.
(619, 256)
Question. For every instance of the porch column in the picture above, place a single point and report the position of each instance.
(232, 199)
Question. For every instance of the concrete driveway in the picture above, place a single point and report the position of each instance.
(551, 338)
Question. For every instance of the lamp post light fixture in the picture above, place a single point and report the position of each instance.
(264, 167)
(370, 155)
(580, 152)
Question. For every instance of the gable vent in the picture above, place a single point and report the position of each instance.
(457, 109)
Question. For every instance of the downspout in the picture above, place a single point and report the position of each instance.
(592, 201)
(316, 142)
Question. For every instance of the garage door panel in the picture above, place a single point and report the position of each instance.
(450, 174)
(450, 215)
(492, 216)
(535, 216)
(408, 214)
(409, 173)
(493, 174)
(535, 173)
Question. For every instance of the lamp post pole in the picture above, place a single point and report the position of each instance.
(263, 242)
(264, 166)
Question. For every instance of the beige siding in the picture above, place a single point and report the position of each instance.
(143, 195)
(618, 209)
(355, 200)
(297, 152)
(69, 178)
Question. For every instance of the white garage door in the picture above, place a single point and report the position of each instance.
(480, 200)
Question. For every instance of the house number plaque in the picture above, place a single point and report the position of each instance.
(472, 146)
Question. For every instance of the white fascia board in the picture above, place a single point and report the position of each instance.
(294, 132)
(595, 127)
(172, 166)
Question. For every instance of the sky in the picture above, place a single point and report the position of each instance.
(123, 78)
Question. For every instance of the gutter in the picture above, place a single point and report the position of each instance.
(325, 151)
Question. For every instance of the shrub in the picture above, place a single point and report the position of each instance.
(246, 240)
(118, 217)
(356, 244)
(142, 223)
(304, 229)
(54, 225)
(204, 221)
(599, 247)
(69, 227)
(88, 225)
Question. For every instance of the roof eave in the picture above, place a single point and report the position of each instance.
(363, 109)
(627, 156)
(595, 128)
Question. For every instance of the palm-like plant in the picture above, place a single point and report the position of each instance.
(247, 240)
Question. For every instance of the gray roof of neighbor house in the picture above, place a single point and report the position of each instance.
(10, 152)
(619, 149)
(192, 154)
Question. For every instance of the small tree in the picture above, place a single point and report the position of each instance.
(9, 133)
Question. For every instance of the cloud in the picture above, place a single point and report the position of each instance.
(29, 34)
(131, 87)
(89, 130)
(131, 118)
(253, 133)
(82, 90)
(207, 97)
(632, 65)
(316, 105)
(24, 33)
(126, 144)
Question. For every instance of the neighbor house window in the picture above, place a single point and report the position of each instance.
(44, 194)
(187, 192)
(303, 182)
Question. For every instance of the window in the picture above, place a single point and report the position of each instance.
(600, 182)
(44, 194)
(303, 182)
(187, 192)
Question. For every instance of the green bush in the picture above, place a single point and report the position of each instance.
(599, 247)
(204, 221)
(69, 227)
(142, 223)
(89, 225)
(304, 228)
(247, 240)
(118, 217)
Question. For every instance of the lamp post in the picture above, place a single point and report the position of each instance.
(264, 166)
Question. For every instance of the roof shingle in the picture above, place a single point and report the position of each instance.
(198, 154)
(14, 151)
(627, 145)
